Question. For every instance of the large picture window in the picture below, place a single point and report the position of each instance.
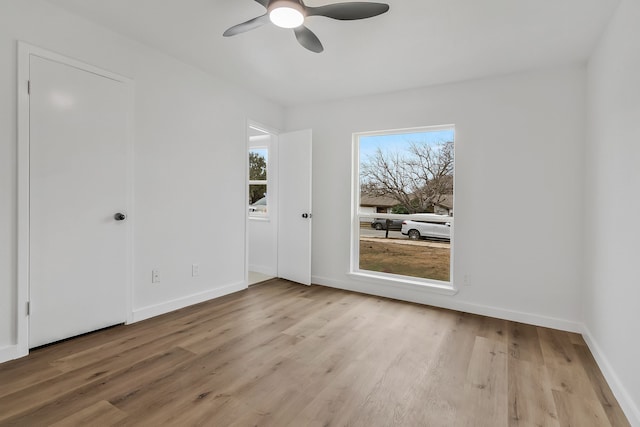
(403, 204)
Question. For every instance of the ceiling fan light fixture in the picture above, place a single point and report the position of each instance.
(292, 14)
(286, 14)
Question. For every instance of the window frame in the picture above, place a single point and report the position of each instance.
(397, 280)
(259, 145)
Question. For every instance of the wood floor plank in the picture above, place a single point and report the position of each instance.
(442, 400)
(265, 322)
(25, 375)
(494, 329)
(356, 349)
(334, 305)
(101, 413)
(574, 410)
(531, 401)
(62, 402)
(108, 364)
(244, 371)
(565, 371)
(576, 339)
(282, 354)
(556, 347)
(317, 338)
(486, 387)
(337, 403)
(601, 388)
(524, 343)
(324, 357)
(201, 382)
(406, 353)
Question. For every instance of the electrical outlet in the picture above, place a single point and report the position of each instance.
(465, 280)
(155, 276)
(195, 270)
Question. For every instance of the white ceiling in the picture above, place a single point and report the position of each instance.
(418, 43)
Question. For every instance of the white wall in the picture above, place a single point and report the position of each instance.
(612, 226)
(519, 140)
(190, 157)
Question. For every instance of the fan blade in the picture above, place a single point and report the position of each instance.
(265, 3)
(251, 24)
(349, 11)
(307, 39)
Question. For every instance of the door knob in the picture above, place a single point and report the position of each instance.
(304, 215)
(119, 216)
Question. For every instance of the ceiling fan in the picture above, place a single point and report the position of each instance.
(292, 14)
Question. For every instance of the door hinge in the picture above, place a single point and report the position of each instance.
(28, 87)
(28, 308)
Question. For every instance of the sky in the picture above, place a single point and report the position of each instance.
(262, 152)
(401, 141)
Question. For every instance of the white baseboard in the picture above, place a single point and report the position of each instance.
(176, 304)
(426, 298)
(629, 407)
(9, 352)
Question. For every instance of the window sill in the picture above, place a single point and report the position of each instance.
(405, 283)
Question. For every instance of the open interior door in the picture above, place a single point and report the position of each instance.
(294, 217)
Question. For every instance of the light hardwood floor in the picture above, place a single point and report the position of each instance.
(282, 354)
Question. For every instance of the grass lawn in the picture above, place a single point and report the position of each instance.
(416, 261)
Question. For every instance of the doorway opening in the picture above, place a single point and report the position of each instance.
(279, 190)
(262, 209)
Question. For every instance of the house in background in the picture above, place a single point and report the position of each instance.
(444, 206)
(383, 204)
(376, 204)
(545, 101)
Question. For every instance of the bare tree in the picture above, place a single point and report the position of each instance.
(417, 178)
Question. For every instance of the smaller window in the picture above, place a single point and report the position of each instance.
(258, 181)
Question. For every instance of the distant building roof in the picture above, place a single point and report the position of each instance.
(446, 201)
(377, 201)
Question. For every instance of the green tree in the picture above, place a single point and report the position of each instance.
(257, 167)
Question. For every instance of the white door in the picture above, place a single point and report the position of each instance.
(78, 183)
(294, 206)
